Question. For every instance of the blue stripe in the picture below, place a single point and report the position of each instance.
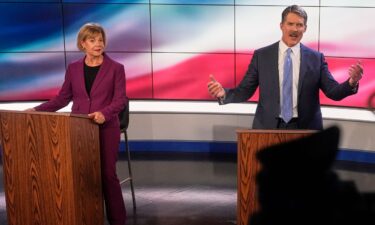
(181, 146)
(356, 156)
(352, 155)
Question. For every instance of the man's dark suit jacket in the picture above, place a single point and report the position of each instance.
(314, 75)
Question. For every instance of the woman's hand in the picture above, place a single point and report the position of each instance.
(97, 117)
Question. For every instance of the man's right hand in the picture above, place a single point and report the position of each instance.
(214, 88)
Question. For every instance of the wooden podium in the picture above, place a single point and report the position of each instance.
(249, 143)
(51, 169)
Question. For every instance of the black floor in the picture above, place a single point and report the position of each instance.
(194, 189)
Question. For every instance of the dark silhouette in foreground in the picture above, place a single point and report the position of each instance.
(297, 185)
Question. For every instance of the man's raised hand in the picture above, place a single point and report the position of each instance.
(214, 88)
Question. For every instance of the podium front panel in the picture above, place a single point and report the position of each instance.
(249, 142)
(39, 173)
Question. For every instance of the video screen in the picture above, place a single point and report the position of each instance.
(169, 48)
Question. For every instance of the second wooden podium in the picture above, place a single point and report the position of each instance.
(249, 143)
(51, 167)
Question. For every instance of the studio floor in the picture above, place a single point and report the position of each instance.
(193, 188)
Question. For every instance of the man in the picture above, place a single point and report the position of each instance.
(289, 76)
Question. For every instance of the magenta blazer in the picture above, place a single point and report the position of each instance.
(108, 93)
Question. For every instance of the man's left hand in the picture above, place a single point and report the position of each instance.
(355, 73)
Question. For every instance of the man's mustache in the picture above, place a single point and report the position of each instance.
(293, 33)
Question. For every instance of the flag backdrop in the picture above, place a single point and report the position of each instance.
(169, 47)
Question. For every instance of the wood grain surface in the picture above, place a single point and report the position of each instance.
(249, 143)
(51, 169)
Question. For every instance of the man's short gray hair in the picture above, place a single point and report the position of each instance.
(296, 10)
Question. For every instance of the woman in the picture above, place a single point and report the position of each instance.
(96, 85)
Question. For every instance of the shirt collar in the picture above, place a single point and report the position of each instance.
(295, 49)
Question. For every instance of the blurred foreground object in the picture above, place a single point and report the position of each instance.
(296, 185)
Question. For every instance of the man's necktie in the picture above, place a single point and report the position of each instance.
(287, 103)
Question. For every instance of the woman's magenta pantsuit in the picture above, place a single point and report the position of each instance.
(107, 96)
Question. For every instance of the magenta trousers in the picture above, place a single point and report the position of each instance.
(114, 202)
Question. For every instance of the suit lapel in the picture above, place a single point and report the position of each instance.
(275, 68)
(274, 71)
(80, 76)
(302, 68)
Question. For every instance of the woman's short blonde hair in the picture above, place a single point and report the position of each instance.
(89, 30)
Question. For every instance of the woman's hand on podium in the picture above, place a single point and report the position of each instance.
(30, 110)
(97, 117)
